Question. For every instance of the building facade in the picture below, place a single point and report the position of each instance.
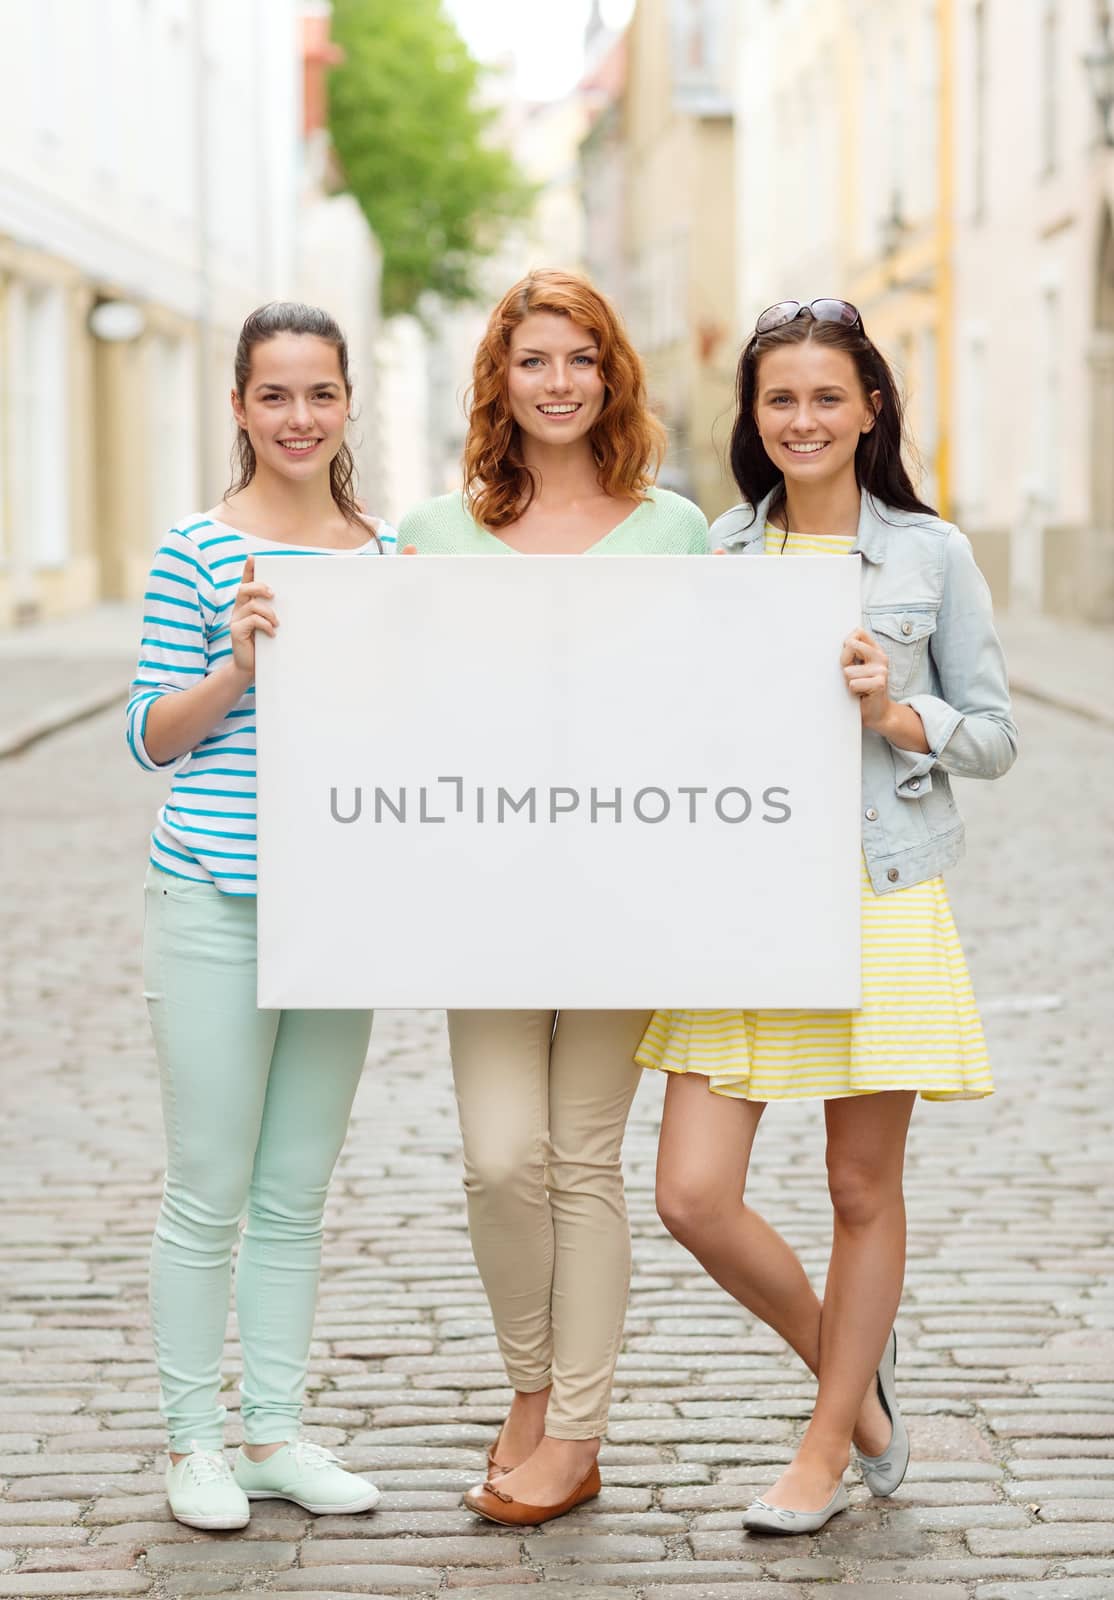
(843, 120)
(942, 163)
(149, 160)
(602, 159)
(339, 261)
(678, 188)
(1034, 302)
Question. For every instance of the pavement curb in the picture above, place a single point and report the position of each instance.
(1078, 708)
(60, 714)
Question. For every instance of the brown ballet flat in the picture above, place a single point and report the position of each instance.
(490, 1502)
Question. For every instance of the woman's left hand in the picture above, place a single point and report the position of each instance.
(866, 667)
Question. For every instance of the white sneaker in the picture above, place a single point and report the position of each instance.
(307, 1474)
(203, 1493)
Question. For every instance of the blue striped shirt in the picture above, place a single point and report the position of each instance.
(206, 829)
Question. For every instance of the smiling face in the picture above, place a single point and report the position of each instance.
(294, 406)
(810, 411)
(554, 385)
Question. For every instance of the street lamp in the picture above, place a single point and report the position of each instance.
(116, 321)
(1100, 70)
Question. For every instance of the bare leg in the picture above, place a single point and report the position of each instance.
(522, 1432)
(703, 1158)
(866, 1156)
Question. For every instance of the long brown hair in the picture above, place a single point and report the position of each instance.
(879, 465)
(627, 440)
(265, 322)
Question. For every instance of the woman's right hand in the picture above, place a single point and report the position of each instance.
(250, 614)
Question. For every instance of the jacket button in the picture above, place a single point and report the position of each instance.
(914, 783)
(871, 814)
(893, 875)
(906, 627)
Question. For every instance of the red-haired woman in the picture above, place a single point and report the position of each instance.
(559, 460)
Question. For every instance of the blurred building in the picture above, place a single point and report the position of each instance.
(678, 188)
(1034, 299)
(155, 174)
(148, 161)
(339, 261)
(546, 145)
(634, 171)
(843, 118)
(404, 403)
(425, 363)
(603, 158)
(944, 164)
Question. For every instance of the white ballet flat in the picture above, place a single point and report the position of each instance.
(759, 1517)
(883, 1474)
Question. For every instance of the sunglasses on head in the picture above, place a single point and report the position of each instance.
(784, 311)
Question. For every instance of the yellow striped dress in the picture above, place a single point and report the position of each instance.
(918, 1027)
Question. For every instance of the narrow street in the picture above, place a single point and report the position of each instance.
(1007, 1330)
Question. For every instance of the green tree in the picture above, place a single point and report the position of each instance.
(417, 148)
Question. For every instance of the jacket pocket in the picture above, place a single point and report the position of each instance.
(905, 633)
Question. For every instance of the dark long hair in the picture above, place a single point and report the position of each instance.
(879, 467)
(265, 322)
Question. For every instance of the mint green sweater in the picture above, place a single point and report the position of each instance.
(664, 524)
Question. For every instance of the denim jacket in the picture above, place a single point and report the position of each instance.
(928, 605)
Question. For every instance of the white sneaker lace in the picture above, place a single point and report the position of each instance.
(206, 1466)
(312, 1457)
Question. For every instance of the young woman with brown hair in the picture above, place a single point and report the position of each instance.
(816, 452)
(256, 1102)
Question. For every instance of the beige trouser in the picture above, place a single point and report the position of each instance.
(543, 1100)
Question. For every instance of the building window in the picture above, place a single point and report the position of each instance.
(148, 107)
(896, 145)
(1049, 88)
(1049, 399)
(173, 457)
(928, 419)
(699, 33)
(925, 132)
(677, 320)
(973, 437)
(106, 131)
(7, 293)
(48, 462)
(638, 316)
(48, 64)
(872, 203)
(903, 364)
(37, 434)
(980, 61)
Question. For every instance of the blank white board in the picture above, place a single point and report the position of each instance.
(628, 781)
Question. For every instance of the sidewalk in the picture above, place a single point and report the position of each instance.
(1006, 1327)
(55, 673)
(1065, 664)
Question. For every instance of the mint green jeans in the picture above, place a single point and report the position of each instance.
(256, 1105)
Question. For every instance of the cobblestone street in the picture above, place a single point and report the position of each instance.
(1007, 1328)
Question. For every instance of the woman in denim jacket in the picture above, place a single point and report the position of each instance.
(816, 452)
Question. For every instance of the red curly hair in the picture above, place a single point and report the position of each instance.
(627, 440)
